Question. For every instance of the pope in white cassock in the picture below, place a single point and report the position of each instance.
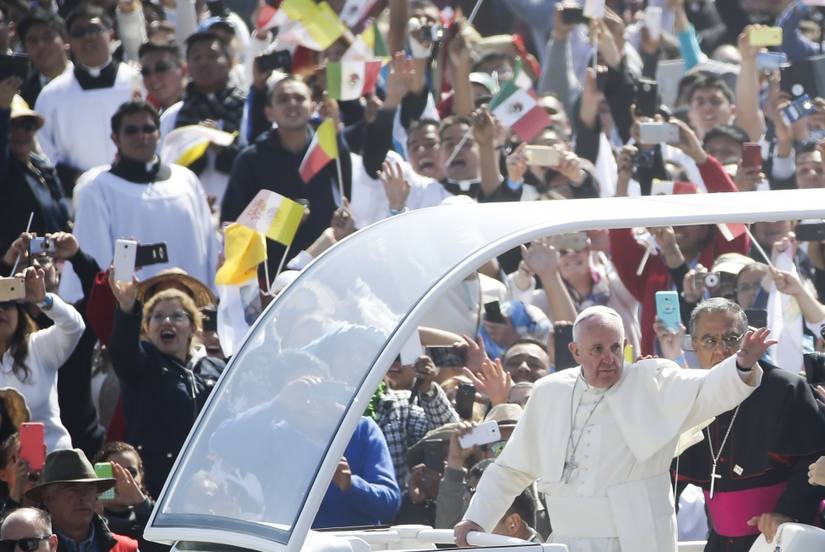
(599, 438)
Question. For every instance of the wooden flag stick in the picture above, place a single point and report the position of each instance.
(281, 264)
(340, 182)
(266, 276)
(458, 147)
(474, 12)
(759, 247)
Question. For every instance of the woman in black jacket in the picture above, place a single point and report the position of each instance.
(162, 386)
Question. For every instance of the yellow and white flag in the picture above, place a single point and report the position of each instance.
(273, 215)
(187, 144)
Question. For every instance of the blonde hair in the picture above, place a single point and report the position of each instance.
(186, 303)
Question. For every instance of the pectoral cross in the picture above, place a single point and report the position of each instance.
(713, 477)
(568, 470)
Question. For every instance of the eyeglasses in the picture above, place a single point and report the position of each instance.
(160, 67)
(710, 343)
(131, 130)
(26, 545)
(745, 287)
(89, 30)
(24, 124)
(176, 317)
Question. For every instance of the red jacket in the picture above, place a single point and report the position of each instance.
(656, 275)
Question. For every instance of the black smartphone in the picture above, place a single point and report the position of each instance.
(601, 80)
(278, 60)
(814, 367)
(464, 399)
(209, 320)
(574, 16)
(449, 356)
(16, 65)
(757, 318)
(647, 98)
(562, 337)
(810, 232)
(434, 455)
(492, 312)
(150, 254)
(216, 8)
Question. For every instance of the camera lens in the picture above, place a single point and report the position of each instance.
(711, 280)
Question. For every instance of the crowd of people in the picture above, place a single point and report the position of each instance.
(520, 101)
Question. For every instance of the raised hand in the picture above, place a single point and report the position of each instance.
(425, 373)
(541, 258)
(786, 282)
(127, 491)
(65, 245)
(19, 249)
(343, 223)
(125, 292)
(396, 186)
(492, 380)
(753, 347)
(35, 284)
(474, 353)
(669, 342)
(484, 126)
(517, 164)
(816, 472)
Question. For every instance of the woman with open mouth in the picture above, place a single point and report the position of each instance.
(162, 385)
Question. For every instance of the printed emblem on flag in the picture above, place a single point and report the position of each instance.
(516, 108)
(354, 78)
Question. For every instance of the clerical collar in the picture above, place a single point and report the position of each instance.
(592, 389)
(139, 171)
(92, 78)
(462, 187)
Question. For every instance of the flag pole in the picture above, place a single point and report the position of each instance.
(759, 247)
(281, 264)
(458, 147)
(266, 276)
(474, 12)
(340, 180)
(17, 260)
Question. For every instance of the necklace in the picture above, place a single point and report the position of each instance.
(715, 457)
(571, 465)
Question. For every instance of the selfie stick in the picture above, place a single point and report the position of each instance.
(17, 260)
(474, 12)
(759, 248)
(458, 147)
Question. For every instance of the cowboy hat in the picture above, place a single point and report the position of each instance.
(176, 277)
(68, 466)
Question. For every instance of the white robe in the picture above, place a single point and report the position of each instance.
(174, 211)
(620, 497)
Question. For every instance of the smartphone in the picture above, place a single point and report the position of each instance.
(149, 254)
(771, 61)
(814, 367)
(594, 9)
(434, 455)
(542, 156)
(15, 65)
(482, 434)
(41, 245)
(124, 260)
(465, 397)
(601, 80)
(12, 289)
(574, 16)
(216, 8)
(770, 36)
(210, 320)
(661, 187)
(798, 109)
(278, 60)
(667, 309)
(562, 337)
(658, 133)
(751, 155)
(653, 21)
(757, 318)
(808, 232)
(104, 471)
(492, 312)
(574, 241)
(447, 356)
(32, 444)
(647, 96)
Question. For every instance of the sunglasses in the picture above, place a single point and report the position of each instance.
(88, 30)
(24, 124)
(161, 67)
(26, 545)
(131, 130)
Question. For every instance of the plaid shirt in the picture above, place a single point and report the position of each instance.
(404, 424)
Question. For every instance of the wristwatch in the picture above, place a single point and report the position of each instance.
(47, 303)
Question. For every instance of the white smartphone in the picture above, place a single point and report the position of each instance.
(658, 133)
(12, 289)
(482, 434)
(542, 156)
(594, 9)
(653, 21)
(124, 262)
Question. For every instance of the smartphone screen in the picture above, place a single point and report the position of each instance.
(447, 356)
(647, 98)
(32, 444)
(751, 155)
(492, 312)
(562, 337)
(464, 400)
(667, 309)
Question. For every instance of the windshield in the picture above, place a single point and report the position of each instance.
(316, 355)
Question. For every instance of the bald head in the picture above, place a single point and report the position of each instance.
(599, 315)
(30, 523)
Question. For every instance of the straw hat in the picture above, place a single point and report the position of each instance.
(20, 109)
(68, 466)
(176, 277)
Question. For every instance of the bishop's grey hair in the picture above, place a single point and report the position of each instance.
(718, 305)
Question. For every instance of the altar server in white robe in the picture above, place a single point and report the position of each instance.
(599, 438)
(78, 104)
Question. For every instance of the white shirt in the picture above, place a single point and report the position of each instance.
(174, 211)
(77, 128)
(48, 351)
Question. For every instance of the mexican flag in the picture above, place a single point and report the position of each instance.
(349, 80)
(517, 108)
(322, 150)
